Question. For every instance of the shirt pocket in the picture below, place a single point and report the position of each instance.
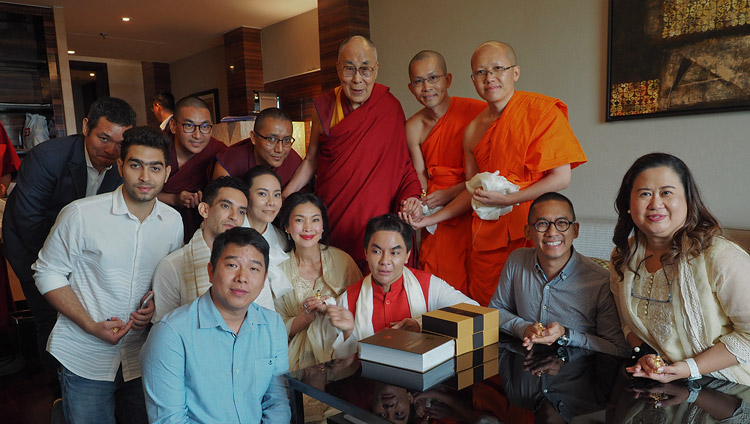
(263, 373)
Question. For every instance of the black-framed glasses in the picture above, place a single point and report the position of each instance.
(189, 127)
(669, 285)
(348, 71)
(272, 140)
(495, 70)
(432, 79)
(561, 224)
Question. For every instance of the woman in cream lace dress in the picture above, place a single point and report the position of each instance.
(318, 273)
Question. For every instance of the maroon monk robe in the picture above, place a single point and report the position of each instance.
(364, 167)
(192, 176)
(239, 158)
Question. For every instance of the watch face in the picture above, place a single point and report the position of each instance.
(693, 385)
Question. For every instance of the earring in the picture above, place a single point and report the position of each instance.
(628, 211)
(288, 236)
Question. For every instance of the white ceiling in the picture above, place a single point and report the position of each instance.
(163, 30)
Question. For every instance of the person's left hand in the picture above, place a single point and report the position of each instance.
(492, 198)
(549, 336)
(408, 324)
(142, 317)
(663, 394)
(411, 206)
(437, 198)
(546, 361)
(647, 368)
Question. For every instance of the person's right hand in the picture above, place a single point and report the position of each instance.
(111, 331)
(342, 319)
(189, 199)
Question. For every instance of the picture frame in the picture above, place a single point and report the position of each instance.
(211, 97)
(677, 57)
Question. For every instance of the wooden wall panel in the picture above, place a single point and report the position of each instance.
(244, 67)
(296, 94)
(337, 21)
(156, 76)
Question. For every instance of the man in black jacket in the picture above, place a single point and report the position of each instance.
(52, 175)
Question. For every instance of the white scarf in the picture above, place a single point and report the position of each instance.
(363, 313)
(196, 255)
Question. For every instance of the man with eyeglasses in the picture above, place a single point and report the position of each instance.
(435, 139)
(551, 293)
(270, 144)
(527, 138)
(52, 175)
(192, 155)
(358, 147)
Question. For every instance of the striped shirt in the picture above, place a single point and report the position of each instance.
(108, 257)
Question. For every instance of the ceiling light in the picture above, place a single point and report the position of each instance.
(125, 19)
(92, 74)
(71, 52)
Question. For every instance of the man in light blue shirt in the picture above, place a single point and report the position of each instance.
(221, 358)
(552, 294)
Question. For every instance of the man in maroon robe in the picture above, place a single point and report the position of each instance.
(269, 144)
(358, 146)
(192, 153)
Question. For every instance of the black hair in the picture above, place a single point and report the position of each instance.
(294, 200)
(189, 101)
(145, 136)
(389, 222)
(240, 236)
(165, 99)
(212, 189)
(257, 171)
(117, 111)
(270, 113)
(551, 195)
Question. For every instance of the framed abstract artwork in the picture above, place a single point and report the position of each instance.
(675, 57)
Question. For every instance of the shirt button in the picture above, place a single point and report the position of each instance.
(545, 391)
(546, 287)
(544, 307)
(387, 302)
(236, 370)
(270, 362)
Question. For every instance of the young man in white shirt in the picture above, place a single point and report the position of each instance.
(95, 269)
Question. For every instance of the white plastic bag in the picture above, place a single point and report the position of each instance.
(34, 130)
(426, 211)
(491, 182)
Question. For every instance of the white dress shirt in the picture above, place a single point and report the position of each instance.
(108, 257)
(94, 178)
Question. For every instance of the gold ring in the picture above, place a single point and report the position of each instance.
(115, 330)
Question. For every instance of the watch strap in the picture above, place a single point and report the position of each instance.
(695, 373)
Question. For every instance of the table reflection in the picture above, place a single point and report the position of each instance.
(546, 385)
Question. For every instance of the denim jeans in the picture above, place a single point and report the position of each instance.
(99, 402)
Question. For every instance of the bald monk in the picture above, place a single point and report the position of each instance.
(192, 153)
(270, 144)
(358, 146)
(435, 139)
(527, 137)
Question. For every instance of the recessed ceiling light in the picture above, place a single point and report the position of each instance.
(92, 74)
(71, 52)
(125, 19)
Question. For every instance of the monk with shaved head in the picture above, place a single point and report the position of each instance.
(435, 139)
(358, 147)
(527, 138)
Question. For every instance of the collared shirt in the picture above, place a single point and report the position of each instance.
(578, 299)
(169, 277)
(165, 122)
(94, 178)
(196, 369)
(107, 256)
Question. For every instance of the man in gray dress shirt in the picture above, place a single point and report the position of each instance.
(552, 294)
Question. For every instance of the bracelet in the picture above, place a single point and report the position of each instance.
(695, 373)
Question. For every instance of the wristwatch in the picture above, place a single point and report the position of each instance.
(694, 387)
(562, 354)
(565, 338)
(695, 373)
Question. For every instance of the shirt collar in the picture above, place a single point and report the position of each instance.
(209, 316)
(396, 286)
(567, 270)
(119, 207)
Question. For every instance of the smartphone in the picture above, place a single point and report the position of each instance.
(148, 299)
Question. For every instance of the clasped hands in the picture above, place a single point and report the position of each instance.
(647, 367)
(536, 333)
(343, 319)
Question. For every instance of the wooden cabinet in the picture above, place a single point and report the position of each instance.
(29, 69)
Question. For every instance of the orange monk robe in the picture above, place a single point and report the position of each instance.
(444, 253)
(531, 137)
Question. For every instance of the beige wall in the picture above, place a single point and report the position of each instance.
(125, 81)
(562, 51)
(291, 47)
(200, 72)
